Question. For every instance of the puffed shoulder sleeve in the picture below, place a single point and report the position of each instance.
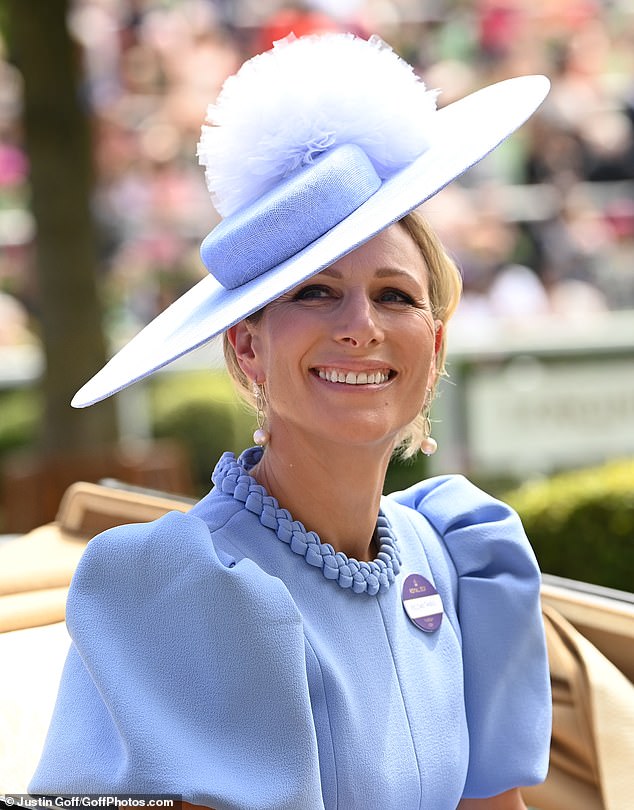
(186, 676)
(507, 686)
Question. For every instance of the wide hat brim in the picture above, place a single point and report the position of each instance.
(464, 132)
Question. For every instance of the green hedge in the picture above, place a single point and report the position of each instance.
(201, 411)
(20, 413)
(402, 474)
(581, 523)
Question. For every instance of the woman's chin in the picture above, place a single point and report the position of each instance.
(359, 436)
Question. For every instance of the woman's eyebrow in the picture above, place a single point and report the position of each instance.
(330, 271)
(394, 271)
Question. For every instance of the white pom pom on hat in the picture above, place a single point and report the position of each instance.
(303, 97)
(310, 150)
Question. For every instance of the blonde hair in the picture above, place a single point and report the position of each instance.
(445, 288)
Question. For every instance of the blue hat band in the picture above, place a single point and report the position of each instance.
(300, 209)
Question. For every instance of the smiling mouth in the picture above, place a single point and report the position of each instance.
(335, 375)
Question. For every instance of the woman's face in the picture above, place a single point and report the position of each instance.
(348, 354)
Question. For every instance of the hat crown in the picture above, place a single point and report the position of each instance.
(301, 208)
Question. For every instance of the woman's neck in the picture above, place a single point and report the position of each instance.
(332, 489)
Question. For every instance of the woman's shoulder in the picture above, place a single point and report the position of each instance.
(450, 498)
(179, 562)
(170, 542)
(477, 528)
(176, 539)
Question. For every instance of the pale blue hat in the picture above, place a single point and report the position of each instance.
(311, 150)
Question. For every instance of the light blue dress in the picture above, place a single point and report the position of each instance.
(229, 656)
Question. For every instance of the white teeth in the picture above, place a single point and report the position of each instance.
(350, 378)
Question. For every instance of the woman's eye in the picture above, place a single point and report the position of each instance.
(312, 292)
(396, 297)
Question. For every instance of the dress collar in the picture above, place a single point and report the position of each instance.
(232, 477)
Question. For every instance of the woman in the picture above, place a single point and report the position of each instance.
(296, 640)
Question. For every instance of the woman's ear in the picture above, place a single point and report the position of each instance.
(439, 331)
(241, 338)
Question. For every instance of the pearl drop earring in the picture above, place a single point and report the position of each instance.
(429, 445)
(261, 435)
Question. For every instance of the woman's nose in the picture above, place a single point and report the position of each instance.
(357, 322)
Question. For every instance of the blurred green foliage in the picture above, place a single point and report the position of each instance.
(201, 411)
(581, 524)
(20, 414)
(403, 473)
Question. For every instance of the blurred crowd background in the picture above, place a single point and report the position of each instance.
(543, 227)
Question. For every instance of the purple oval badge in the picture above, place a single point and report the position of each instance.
(422, 603)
